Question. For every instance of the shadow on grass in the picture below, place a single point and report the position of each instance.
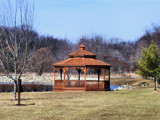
(23, 99)
(23, 104)
(32, 99)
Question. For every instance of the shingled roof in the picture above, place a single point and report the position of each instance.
(82, 58)
(82, 53)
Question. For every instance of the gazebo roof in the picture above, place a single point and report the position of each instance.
(82, 53)
(82, 58)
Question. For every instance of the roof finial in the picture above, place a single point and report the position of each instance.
(82, 47)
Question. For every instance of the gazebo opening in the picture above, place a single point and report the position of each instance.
(74, 73)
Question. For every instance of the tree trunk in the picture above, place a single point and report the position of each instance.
(155, 83)
(15, 89)
(19, 91)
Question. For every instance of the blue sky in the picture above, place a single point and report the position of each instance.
(72, 19)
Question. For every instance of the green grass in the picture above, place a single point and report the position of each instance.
(138, 104)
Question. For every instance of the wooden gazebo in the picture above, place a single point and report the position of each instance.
(82, 60)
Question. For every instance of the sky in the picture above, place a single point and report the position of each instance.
(72, 19)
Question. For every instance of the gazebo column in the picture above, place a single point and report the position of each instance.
(98, 72)
(64, 71)
(85, 72)
(103, 78)
(61, 83)
(54, 77)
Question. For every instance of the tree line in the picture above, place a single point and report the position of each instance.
(47, 50)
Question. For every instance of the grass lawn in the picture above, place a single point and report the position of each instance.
(138, 104)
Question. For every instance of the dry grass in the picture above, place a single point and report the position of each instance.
(130, 81)
(139, 104)
(133, 81)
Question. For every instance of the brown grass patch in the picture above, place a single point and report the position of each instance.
(110, 105)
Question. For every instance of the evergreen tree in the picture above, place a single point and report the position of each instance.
(149, 62)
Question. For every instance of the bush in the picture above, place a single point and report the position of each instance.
(6, 87)
(26, 87)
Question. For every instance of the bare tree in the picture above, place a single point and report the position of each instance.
(41, 61)
(15, 34)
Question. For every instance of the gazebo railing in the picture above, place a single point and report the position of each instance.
(58, 84)
(74, 83)
(94, 85)
(90, 84)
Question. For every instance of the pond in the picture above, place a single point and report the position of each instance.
(113, 87)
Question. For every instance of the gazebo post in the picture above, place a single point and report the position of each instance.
(61, 73)
(103, 78)
(54, 76)
(98, 71)
(85, 71)
(64, 71)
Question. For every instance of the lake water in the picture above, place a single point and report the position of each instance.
(112, 87)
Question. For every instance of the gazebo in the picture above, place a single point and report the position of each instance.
(82, 61)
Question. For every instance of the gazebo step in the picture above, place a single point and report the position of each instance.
(74, 88)
(69, 89)
(90, 89)
(80, 89)
(57, 89)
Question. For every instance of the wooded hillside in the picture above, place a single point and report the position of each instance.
(46, 50)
